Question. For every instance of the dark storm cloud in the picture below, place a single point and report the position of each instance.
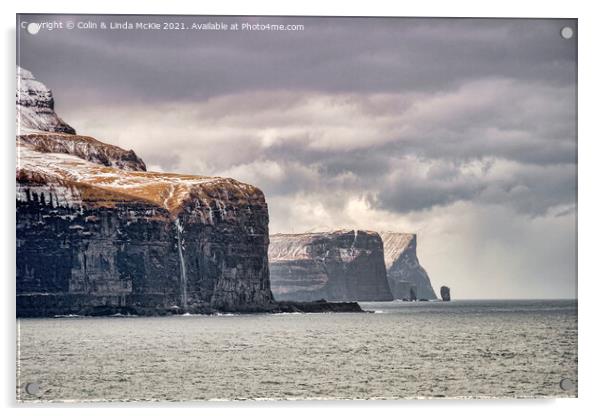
(489, 141)
(336, 55)
(528, 189)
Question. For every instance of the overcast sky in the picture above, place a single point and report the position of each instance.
(463, 130)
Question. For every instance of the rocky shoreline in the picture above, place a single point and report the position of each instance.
(49, 306)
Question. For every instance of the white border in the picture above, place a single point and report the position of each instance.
(590, 211)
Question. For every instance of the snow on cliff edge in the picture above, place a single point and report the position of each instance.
(35, 107)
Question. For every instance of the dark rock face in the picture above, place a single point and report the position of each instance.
(113, 246)
(316, 307)
(404, 272)
(403, 290)
(445, 294)
(97, 234)
(336, 266)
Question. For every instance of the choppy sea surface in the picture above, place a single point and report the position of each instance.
(402, 350)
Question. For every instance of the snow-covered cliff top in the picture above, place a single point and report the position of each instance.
(84, 147)
(287, 247)
(35, 107)
(103, 185)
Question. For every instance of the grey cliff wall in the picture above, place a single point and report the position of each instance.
(336, 266)
(404, 271)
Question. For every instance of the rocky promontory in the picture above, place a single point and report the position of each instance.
(35, 107)
(96, 232)
(407, 278)
(345, 265)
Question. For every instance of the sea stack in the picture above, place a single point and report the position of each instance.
(445, 294)
(344, 265)
(404, 272)
(97, 233)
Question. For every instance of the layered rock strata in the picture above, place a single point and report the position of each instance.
(97, 233)
(407, 278)
(35, 106)
(336, 266)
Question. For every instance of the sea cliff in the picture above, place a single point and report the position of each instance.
(98, 233)
(344, 265)
(407, 278)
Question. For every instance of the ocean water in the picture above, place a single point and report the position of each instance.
(402, 350)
